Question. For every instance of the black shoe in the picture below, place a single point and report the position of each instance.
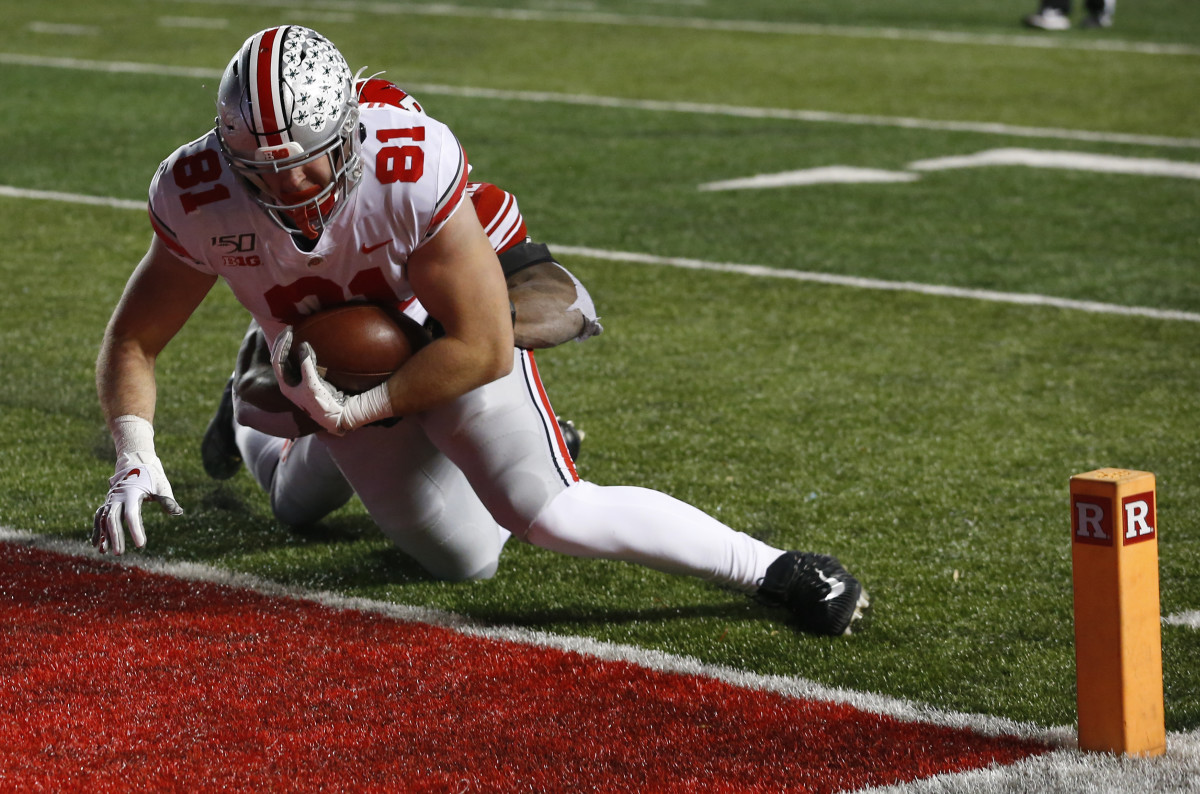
(218, 450)
(571, 435)
(822, 597)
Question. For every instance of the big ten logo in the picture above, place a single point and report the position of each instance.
(1138, 512)
(236, 250)
(1091, 520)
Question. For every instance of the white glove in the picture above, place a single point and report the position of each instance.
(338, 413)
(139, 477)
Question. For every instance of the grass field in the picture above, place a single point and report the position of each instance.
(926, 440)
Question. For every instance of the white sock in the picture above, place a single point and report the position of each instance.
(649, 528)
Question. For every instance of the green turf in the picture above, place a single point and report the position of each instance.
(926, 441)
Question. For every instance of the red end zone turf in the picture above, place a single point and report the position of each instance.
(116, 678)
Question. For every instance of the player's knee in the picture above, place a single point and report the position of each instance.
(522, 498)
(305, 512)
(294, 515)
(565, 522)
(449, 546)
(454, 562)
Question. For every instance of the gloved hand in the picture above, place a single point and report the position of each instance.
(139, 477)
(300, 382)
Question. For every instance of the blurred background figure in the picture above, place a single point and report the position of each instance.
(1056, 14)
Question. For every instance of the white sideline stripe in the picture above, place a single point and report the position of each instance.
(760, 271)
(1189, 619)
(1072, 772)
(588, 17)
(660, 106)
(1065, 769)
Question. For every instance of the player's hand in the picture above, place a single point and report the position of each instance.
(139, 477)
(302, 384)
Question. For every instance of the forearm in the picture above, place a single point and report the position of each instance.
(159, 297)
(443, 371)
(125, 380)
(458, 279)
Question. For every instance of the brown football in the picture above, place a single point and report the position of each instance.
(359, 345)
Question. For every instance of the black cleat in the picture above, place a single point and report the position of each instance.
(822, 597)
(218, 450)
(571, 435)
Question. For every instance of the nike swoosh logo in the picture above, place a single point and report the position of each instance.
(836, 586)
(366, 249)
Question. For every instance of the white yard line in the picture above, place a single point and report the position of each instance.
(652, 105)
(71, 198)
(758, 271)
(202, 23)
(1071, 161)
(823, 175)
(110, 67)
(62, 29)
(1031, 158)
(587, 17)
(1189, 619)
(812, 116)
(856, 282)
(1066, 769)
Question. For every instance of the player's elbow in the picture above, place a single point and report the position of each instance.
(500, 357)
(498, 348)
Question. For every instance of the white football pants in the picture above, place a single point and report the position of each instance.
(448, 486)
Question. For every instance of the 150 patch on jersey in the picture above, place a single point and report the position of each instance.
(236, 250)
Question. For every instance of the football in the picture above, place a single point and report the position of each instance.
(359, 345)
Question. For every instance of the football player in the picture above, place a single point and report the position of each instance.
(302, 198)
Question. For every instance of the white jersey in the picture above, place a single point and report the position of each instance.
(414, 178)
